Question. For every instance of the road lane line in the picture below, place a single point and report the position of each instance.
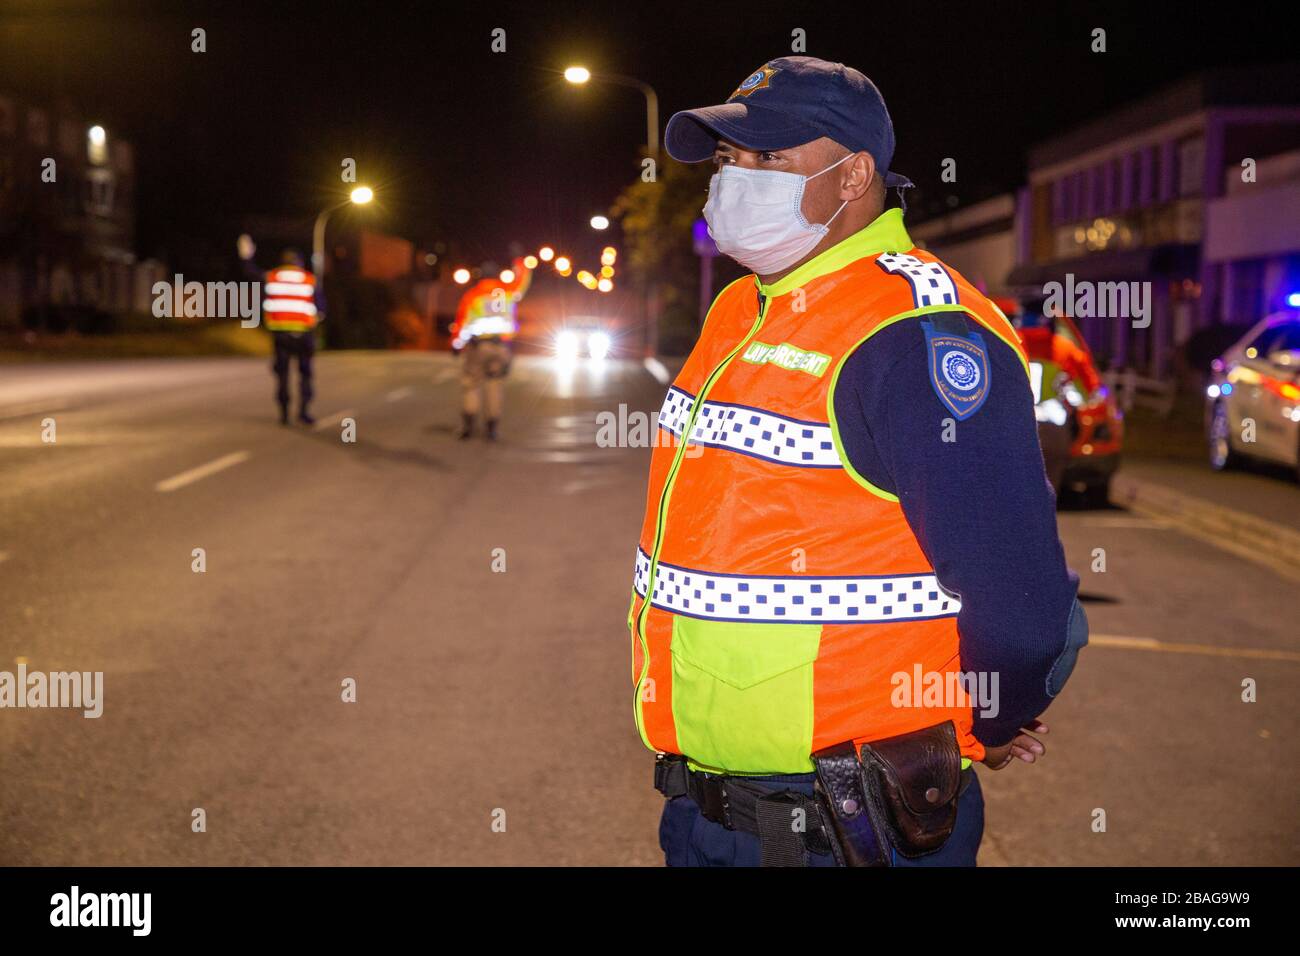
(658, 370)
(397, 394)
(1173, 647)
(201, 472)
(445, 375)
(333, 419)
(32, 408)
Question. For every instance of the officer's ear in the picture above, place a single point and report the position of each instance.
(859, 174)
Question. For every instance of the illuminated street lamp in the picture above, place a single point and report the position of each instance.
(507, 275)
(605, 285)
(546, 253)
(359, 196)
(530, 262)
(579, 75)
(460, 276)
(599, 222)
(562, 265)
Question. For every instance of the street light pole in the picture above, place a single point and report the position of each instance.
(318, 241)
(579, 75)
(651, 108)
(359, 197)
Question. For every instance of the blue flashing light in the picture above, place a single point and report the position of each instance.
(1293, 300)
(1226, 389)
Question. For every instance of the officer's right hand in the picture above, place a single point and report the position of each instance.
(1024, 746)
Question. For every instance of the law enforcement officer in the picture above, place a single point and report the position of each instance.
(483, 335)
(856, 589)
(291, 311)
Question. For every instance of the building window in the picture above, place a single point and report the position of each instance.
(38, 128)
(97, 145)
(68, 137)
(99, 192)
(1191, 166)
(1128, 168)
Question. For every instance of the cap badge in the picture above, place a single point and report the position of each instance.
(757, 80)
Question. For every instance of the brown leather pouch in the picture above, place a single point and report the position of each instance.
(912, 782)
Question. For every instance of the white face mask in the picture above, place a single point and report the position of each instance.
(756, 217)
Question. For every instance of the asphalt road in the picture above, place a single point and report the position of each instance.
(483, 696)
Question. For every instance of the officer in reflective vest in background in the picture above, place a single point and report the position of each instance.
(851, 589)
(291, 312)
(482, 335)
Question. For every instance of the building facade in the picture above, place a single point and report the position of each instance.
(1190, 190)
(67, 218)
(979, 241)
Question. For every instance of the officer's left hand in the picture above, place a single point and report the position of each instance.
(1024, 746)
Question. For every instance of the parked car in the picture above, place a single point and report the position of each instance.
(1252, 404)
(1080, 424)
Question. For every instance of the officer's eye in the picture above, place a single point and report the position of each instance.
(768, 157)
(720, 159)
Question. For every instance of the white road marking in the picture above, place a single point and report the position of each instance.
(657, 369)
(446, 375)
(1172, 647)
(201, 472)
(333, 419)
(1151, 524)
(397, 394)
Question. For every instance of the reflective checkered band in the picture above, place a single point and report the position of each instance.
(751, 431)
(931, 284)
(794, 599)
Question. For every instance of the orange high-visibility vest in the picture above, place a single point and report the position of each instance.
(488, 308)
(289, 299)
(787, 593)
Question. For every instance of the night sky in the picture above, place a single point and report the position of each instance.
(484, 148)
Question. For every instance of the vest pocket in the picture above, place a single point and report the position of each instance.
(742, 694)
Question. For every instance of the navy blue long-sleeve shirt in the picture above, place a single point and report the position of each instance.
(980, 506)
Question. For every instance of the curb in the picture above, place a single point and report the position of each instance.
(1254, 539)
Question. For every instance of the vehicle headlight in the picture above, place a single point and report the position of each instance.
(1051, 411)
(567, 345)
(598, 344)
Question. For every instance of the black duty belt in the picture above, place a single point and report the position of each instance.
(860, 816)
(787, 823)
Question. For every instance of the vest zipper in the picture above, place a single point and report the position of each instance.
(664, 494)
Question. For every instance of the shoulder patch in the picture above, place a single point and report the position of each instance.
(960, 371)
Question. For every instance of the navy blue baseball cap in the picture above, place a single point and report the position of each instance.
(788, 102)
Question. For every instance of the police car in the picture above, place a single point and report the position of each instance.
(1252, 404)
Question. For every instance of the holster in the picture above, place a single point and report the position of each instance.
(897, 794)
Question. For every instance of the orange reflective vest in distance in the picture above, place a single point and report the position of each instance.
(289, 299)
(788, 592)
